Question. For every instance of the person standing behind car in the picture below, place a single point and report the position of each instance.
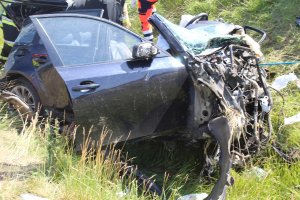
(13, 16)
(10, 34)
(145, 9)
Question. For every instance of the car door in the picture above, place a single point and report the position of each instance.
(106, 86)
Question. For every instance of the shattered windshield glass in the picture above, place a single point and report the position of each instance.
(205, 38)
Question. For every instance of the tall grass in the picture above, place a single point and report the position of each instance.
(63, 174)
(95, 173)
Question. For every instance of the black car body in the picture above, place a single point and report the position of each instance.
(87, 70)
(88, 79)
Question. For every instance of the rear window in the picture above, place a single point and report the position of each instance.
(26, 35)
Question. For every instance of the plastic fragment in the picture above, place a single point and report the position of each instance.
(258, 172)
(282, 81)
(264, 102)
(254, 46)
(121, 194)
(199, 196)
(292, 119)
(28, 196)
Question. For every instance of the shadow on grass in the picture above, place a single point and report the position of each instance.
(18, 172)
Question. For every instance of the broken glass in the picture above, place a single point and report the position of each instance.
(206, 37)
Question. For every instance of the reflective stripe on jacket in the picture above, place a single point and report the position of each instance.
(10, 34)
(145, 9)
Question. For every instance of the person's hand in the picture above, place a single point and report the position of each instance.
(133, 3)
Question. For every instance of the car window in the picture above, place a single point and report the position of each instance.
(26, 35)
(85, 41)
(120, 43)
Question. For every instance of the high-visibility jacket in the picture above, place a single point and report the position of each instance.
(146, 8)
(10, 34)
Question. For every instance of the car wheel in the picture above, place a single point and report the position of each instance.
(26, 92)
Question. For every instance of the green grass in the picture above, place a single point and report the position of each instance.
(53, 170)
(64, 175)
(277, 18)
(282, 182)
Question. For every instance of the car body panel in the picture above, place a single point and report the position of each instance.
(218, 95)
(131, 96)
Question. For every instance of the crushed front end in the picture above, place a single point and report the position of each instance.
(240, 123)
(230, 99)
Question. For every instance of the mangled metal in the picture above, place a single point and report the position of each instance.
(17, 103)
(226, 64)
(235, 91)
(229, 102)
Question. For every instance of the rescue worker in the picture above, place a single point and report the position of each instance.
(145, 9)
(10, 34)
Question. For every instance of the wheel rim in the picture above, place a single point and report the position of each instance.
(25, 95)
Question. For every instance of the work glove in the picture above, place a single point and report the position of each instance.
(133, 3)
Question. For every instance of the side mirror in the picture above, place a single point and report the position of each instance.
(144, 50)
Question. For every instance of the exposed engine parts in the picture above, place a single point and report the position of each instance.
(224, 103)
(239, 85)
(232, 77)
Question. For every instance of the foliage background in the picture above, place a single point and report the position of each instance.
(73, 180)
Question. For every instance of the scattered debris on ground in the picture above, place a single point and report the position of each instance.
(258, 172)
(28, 196)
(282, 81)
(199, 196)
(292, 119)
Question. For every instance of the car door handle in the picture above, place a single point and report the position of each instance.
(85, 87)
(40, 58)
(21, 52)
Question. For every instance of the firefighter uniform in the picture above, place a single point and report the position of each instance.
(146, 8)
(10, 34)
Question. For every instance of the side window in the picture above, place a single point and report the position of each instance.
(80, 41)
(26, 35)
(120, 43)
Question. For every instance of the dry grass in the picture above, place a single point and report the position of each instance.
(40, 161)
(22, 161)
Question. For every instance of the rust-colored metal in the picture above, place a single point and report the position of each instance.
(17, 104)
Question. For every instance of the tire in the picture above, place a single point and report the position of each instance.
(26, 92)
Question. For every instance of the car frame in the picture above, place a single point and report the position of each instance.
(151, 93)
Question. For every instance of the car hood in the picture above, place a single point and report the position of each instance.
(203, 38)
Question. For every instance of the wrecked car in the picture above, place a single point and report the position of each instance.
(205, 86)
